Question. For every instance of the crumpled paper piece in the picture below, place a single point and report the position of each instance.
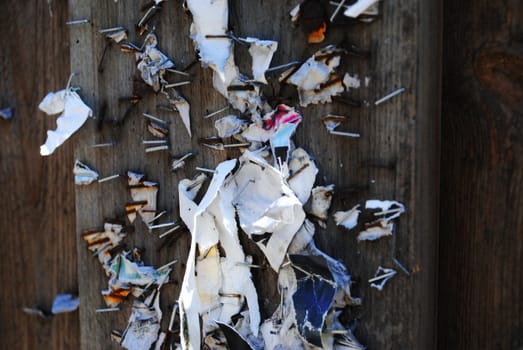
(74, 114)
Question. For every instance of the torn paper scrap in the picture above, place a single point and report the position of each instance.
(214, 287)
(359, 7)
(241, 324)
(315, 78)
(280, 331)
(319, 203)
(338, 337)
(261, 52)
(6, 113)
(65, 303)
(144, 324)
(312, 288)
(302, 174)
(230, 125)
(303, 244)
(312, 301)
(316, 70)
(144, 193)
(102, 242)
(376, 230)
(351, 82)
(128, 277)
(161, 340)
(74, 114)
(271, 123)
(234, 339)
(181, 105)
(187, 191)
(314, 295)
(331, 121)
(152, 63)
(114, 296)
(62, 303)
(278, 127)
(208, 235)
(125, 271)
(389, 209)
(131, 209)
(157, 129)
(281, 144)
(245, 98)
(349, 218)
(347, 342)
(209, 33)
(321, 95)
(381, 277)
(83, 175)
(221, 83)
(179, 163)
(294, 13)
(269, 211)
(280, 116)
(117, 35)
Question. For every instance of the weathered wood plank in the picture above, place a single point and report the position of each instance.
(396, 158)
(38, 250)
(481, 304)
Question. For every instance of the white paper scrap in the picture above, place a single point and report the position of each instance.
(269, 211)
(358, 8)
(261, 52)
(187, 191)
(83, 175)
(152, 63)
(312, 73)
(75, 113)
(349, 218)
(315, 77)
(351, 82)
(101, 242)
(389, 209)
(320, 203)
(145, 192)
(381, 277)
(144, 324)
(230, 125)
(183, 108)
(303, 172)
(322, 95)
(210, 280)
(377, 230)
(181, 105)
(209, 32)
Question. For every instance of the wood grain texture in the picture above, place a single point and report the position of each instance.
(38, 250)
(481, 300)
(396, 158)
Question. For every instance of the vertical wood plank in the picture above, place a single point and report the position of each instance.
(396, 158)
(480, 283)
(38, 250)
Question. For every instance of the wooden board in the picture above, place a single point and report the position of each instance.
(396, 158)
(481, 303)
(38, 249)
